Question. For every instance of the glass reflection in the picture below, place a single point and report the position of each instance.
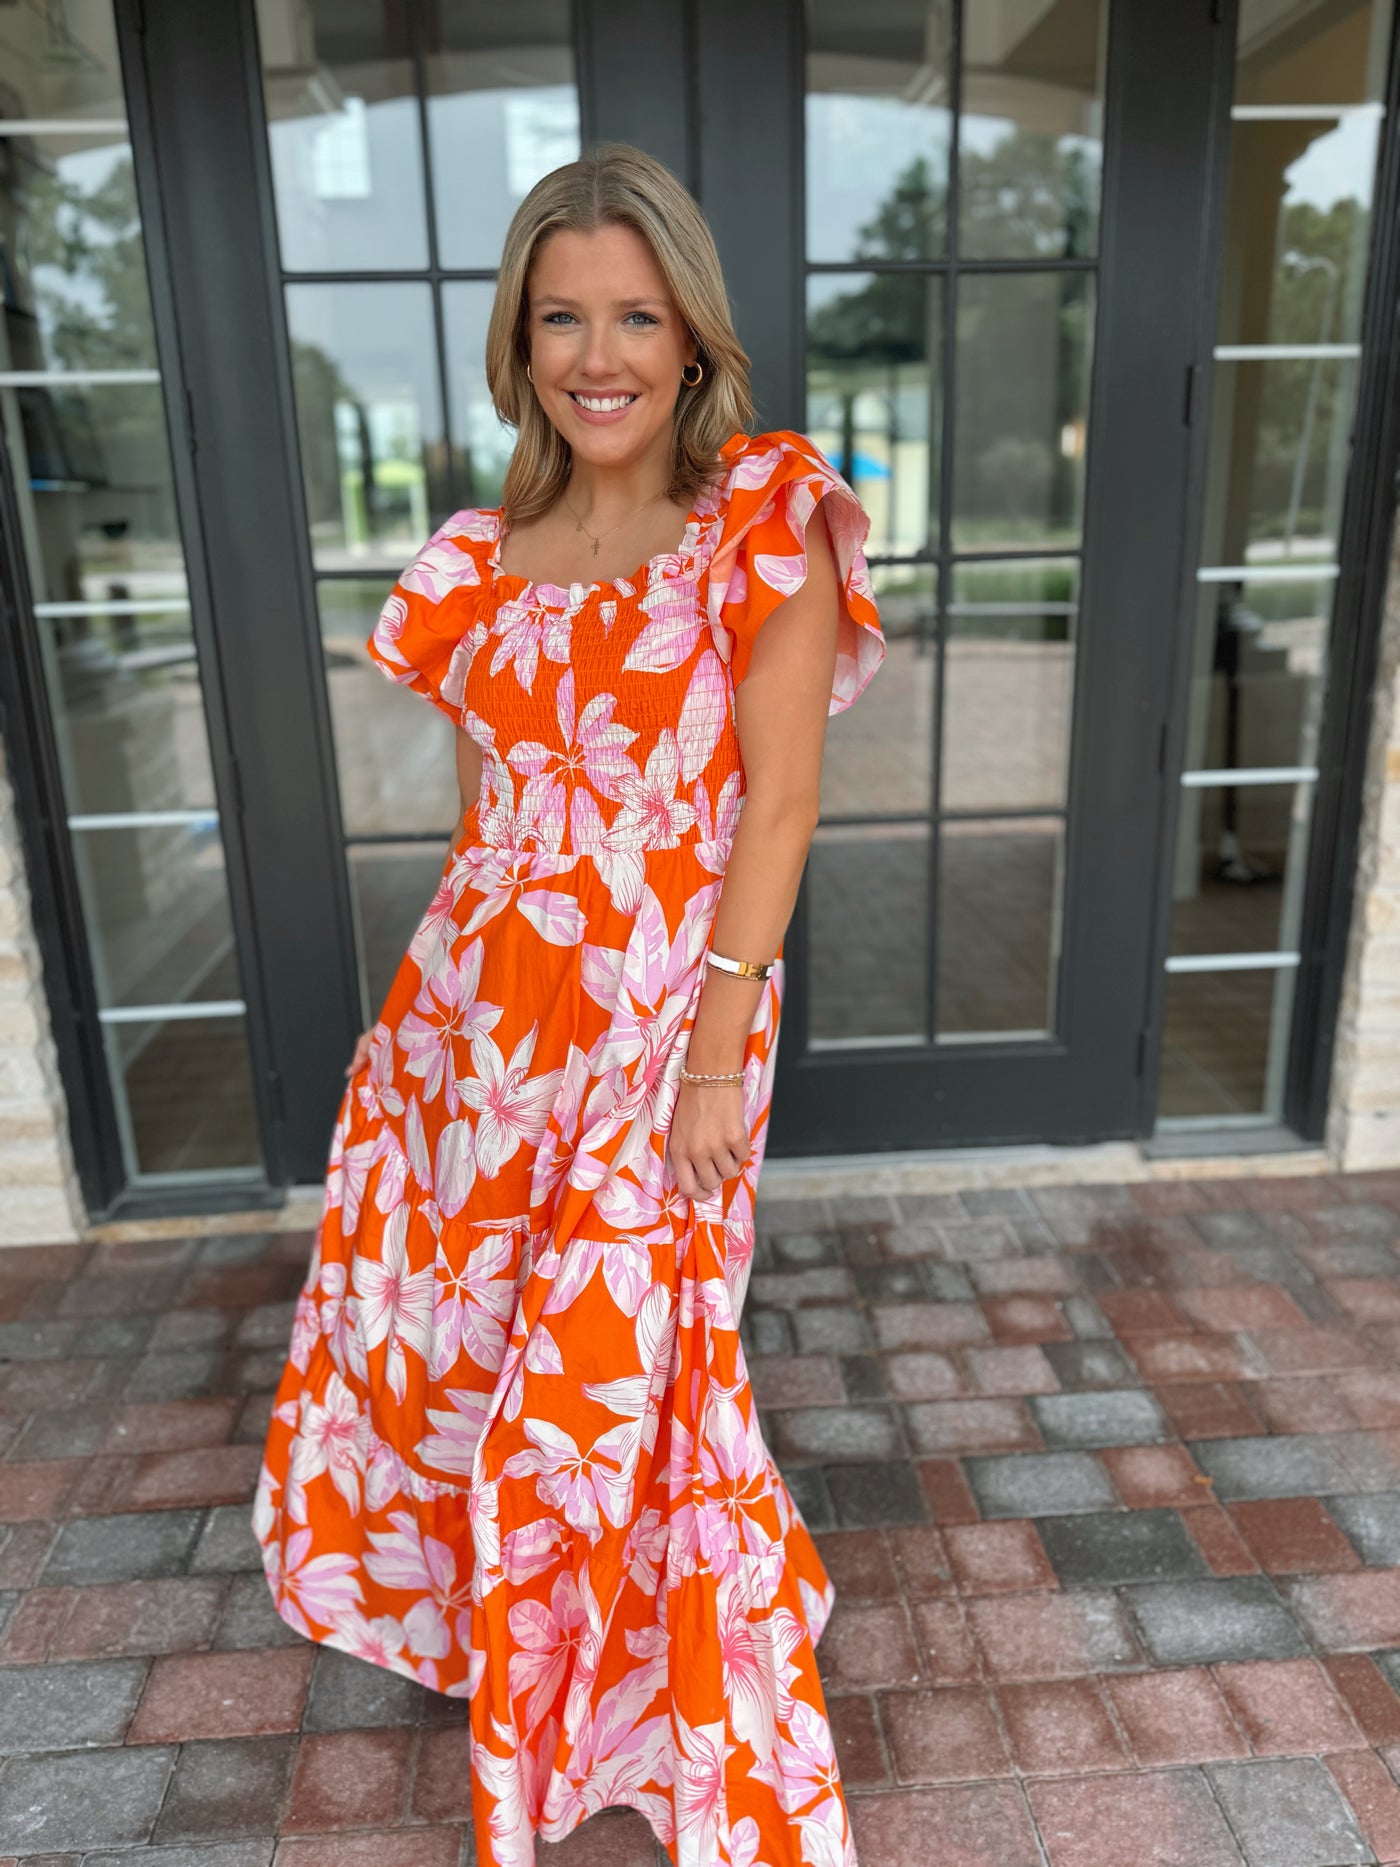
(1240, 854)
(503, 110)
(75, 290)
(157, 906)
(60, 62)
(344, 131)
(1021, 409)
(396, 757)
(369, 411)
(1224, 1037)
(128, 712)
(874, 397)
(1314, 52)
(1030, 134)
(391, 885)
(1299, 221)
(189, 1095)
(878, 130)
(879, 755)
(874, 988)
(1000, 886)
(481, 443)
(1280, 448)
(1009, 685)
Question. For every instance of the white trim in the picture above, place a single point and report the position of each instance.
(1267, 573)
(1230, 962)
(166, 1014)
(64, 126)
(45, 379)
(1251, 774)
(1302, 113)
(1264, 353)
(158, 605)
(141, 819)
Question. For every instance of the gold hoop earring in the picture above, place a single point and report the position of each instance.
(693, 382)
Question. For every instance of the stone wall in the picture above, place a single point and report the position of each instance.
(39, 1198)
(1363, 1127)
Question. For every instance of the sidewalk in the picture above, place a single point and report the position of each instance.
(1108, 1480)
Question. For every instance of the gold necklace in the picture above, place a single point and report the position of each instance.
(598, 537)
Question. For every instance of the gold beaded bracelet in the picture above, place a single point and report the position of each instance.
(734, 1081)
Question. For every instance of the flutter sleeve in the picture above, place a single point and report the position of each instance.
(422, 638)
(776, 484)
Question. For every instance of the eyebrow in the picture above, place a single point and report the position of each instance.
(619, 304)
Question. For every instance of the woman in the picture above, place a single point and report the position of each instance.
(514, 1454)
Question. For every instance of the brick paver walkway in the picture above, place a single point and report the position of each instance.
(1108, 1480)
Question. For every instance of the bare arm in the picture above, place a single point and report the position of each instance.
(780, 709)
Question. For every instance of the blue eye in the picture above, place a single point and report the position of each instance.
(550, 316)
(645, 316)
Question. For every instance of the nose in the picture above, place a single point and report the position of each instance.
(599, 361)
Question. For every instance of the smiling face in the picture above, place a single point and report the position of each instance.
(607, 346)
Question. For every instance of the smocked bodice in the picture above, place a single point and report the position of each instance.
(605, 711)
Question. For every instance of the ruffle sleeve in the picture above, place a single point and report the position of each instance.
(421, 638)
(776, 483)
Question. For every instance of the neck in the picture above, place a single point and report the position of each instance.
(601, 494)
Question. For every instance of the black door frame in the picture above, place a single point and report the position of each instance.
(1353, 649)
(1085, 1083)
(199, 137)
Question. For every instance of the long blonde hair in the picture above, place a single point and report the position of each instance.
(615, 185)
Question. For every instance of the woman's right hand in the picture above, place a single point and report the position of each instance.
(361, 1056)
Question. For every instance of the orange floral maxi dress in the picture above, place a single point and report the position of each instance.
(514, 1452)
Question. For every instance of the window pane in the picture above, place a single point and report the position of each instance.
(1030, 134)
(1239, 869)
(1022, 388)
(878, 758)
(188, 1102)
(502, 110)
(874, 397)
(1299, 222)
(873, 987)
(76, 293)
(345, 134)
(395, 754)
(370, 415)
(128, 712)
(391, 886)
(60, 62)
(1009, 685)
(156, 899)
(101, 499)
(1314, 52)
(999, 905)
(1280, 449)
(878, 127)
(1223, 1043)
(482, 444)
(1260, 669)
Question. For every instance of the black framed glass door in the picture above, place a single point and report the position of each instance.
(984, 306)
(1002, 291)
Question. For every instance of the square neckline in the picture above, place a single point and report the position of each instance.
(698, 523)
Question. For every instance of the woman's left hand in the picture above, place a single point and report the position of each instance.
(709, 1139)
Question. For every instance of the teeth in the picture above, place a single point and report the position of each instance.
(603, 404)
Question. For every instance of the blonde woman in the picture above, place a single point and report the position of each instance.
(514, 1453)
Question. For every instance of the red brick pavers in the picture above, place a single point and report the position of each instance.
(1121, 1590)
